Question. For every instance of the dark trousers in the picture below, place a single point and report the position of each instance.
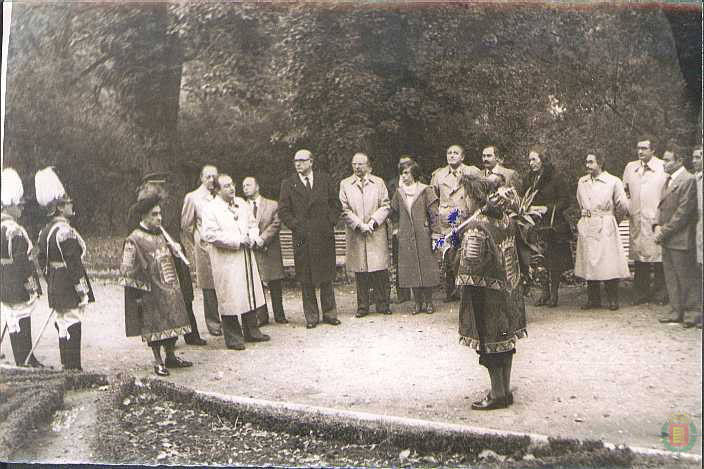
(210, 311)
(170, 342)
(423, 294)
(645, 287)
(310, 302)
(277, 299)
(680, 274)
(194, 334)
(402, 294)
(379, 282)
(594, 291)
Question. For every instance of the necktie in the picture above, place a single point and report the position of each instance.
(307, 183)
(254, 209)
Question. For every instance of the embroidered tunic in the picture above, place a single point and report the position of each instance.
(61, 253)
(154, 305)
(20, 282)
(492, 312)
(235, 271)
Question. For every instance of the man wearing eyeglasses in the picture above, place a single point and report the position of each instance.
(309, 206)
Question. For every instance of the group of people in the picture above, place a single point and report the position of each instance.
(459, 230)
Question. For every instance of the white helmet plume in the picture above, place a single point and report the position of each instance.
(12, 189)
(48, 187)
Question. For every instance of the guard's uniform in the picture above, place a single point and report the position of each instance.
(19, 288)
(61, 252)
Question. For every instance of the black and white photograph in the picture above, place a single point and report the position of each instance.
(352, 233)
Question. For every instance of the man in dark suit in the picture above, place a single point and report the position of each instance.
(675, 231)
(309, 206)
(267, 249)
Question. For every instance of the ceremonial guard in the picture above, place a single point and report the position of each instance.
(154, 304)
(61, 253)
(600, 255)
(20, 286)
(453, 207)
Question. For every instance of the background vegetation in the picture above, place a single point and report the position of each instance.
(107, 92)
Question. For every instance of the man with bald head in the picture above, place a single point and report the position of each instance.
(309, 207)
(267, 247)
(191, 229)
(453, 208)
(365, 207)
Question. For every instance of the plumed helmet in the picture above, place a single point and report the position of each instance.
(12, 189)
(49, 190)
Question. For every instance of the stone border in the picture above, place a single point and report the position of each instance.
(421, 435)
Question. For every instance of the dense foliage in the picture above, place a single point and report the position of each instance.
(107, 92)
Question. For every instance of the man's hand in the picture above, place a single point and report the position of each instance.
(364, 228)
(658, 234)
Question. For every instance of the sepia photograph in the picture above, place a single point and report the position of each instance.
(352, 233)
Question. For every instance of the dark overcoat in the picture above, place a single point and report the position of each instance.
(311, 216)
(417, 265)
(553, 228)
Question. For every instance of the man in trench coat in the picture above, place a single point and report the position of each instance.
(267, 247)
(309, 206)
(191, 229)
(365, 207)
(453, 207)
(643, 181)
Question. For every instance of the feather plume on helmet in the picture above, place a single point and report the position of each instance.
(12, 188)
(49, 190)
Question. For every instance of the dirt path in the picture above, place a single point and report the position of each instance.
(616, 376)
(67, 438)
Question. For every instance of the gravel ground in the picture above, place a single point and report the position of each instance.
(615, 376)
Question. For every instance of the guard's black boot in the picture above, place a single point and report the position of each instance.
(72, 359)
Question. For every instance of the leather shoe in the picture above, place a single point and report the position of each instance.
(360, 314)
(490, 404)
(281, 320)
(160, 370)
(177, 362)
(311, 325)
(236, 347)
(196, 341)
(509, 399)
(258, 338)
(613, 306)
(332, 322)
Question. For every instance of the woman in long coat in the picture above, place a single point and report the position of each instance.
(492, 313)
(414, 207)
(554, 231)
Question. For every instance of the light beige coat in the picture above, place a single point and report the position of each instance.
(600, 255)
(235, 273)
(644, 187)
(362, 203)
